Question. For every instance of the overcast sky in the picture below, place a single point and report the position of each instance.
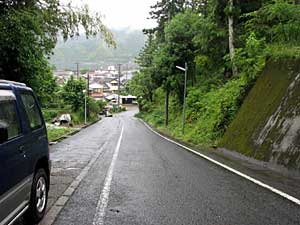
(122, 13)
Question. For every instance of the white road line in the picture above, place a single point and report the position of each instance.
(62, 200)
(274, 190)
(104, 197)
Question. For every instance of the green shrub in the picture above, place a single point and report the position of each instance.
(49, 114)
(214, 111)
(208, 113)
(117, 109)
(77, 117)
(56, 133)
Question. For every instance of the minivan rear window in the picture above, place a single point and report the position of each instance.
(32, 111)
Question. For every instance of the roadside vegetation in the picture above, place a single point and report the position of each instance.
(70, 99)
(226, 45)
(29, 33)
(116, 109)
(58, 132)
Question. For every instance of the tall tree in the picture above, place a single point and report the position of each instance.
(231, 35)
(73, 93)
(163, 11)
(147, 76)
(29, 31)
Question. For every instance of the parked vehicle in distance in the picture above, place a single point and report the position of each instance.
(108, 114)
(24, 155)
(106, 110)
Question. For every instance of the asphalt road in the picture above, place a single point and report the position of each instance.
(139, 178)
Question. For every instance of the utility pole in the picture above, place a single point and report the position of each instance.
(77, 65)
(119, 81)
(184, 96)
(85, 108)
(167, 106)
(88, 94)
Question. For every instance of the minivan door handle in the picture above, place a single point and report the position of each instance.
(41, 137)
(22, 149)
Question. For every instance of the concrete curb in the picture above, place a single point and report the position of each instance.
(53, 212)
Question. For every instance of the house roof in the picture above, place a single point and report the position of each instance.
(96, 86)
(114, 82)
(129, 96)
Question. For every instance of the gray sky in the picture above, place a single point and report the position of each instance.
(122, 13)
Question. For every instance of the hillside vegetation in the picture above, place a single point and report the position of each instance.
(226, 45)
(95, 50)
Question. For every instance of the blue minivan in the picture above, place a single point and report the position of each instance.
(24, 155)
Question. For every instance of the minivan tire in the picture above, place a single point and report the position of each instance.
(33, 214)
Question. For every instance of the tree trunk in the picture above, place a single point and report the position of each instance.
(231, 39)
(167, 107)
(150, 96)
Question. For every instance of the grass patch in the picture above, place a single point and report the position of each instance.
(56, 133)
(77, 117)
(282, 51)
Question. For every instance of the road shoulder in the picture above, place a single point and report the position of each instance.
(285, 183)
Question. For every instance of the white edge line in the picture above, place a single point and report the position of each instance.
(56, 208)
(104, 196)
(259, 183)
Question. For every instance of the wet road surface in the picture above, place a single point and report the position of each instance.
(139, 178)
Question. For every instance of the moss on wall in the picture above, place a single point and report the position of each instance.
(266, 121)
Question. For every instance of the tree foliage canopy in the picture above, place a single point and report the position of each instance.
(73, 93)
(205, 34)
(29, 31)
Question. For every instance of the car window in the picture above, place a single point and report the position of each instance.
(32, 111)
(9, 118)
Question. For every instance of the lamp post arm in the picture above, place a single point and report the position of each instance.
(181, 68)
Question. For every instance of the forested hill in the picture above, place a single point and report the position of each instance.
(80, 49)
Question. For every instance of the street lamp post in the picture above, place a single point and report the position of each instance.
(184, 96)
(88, 95)
(119, 81)
(85, 108)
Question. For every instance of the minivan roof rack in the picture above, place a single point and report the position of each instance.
(12, 82)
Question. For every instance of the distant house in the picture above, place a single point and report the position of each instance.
(128, 75)
(62, 76)
(60, 80)
(124, 100)
(63, 73)
(128, 100)
(114, 86)
(97, 90)
(113, 98)
(111, 68)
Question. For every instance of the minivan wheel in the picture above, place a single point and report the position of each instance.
(38, 198)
